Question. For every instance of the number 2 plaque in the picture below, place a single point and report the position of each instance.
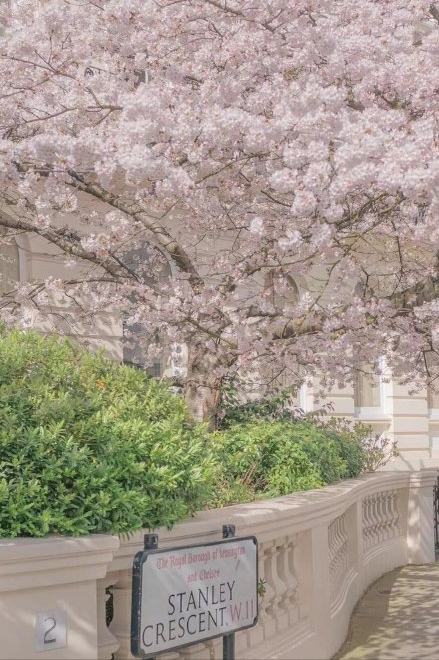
(50, 630)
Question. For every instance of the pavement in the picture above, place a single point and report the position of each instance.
(398, 617)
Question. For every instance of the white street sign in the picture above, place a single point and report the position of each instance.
(184, 595)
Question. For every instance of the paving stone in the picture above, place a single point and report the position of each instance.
(397, 618)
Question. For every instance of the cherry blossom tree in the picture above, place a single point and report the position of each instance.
(245, 145)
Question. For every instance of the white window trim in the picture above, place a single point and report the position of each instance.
(433, 413)
(374, 414)
(303, 398)
(381, 412)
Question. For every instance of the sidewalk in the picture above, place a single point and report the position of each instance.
(398, 617)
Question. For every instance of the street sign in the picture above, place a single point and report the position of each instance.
(190, 594)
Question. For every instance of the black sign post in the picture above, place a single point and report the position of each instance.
(150, 542)
(229, 640)
(185, 595)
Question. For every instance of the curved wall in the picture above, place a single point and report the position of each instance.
(318, 553)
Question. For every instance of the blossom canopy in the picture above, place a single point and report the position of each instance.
(237, 143)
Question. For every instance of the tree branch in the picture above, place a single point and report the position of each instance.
(163, 238)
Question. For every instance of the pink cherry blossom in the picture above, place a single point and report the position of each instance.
(190, 158)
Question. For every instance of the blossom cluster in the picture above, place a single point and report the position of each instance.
(193, 159)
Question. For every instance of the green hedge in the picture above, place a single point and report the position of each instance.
(90, 446)
(272, 458)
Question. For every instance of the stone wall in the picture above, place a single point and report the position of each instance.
(318, 552)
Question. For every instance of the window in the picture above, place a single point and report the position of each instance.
(137, 341)
(367, 390)
(135, 348)
(433, 397)
(9, 266)
(282, 290)
(432, 361)
(2, 4)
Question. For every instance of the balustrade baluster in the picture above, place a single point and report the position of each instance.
(381, 516)
(377, 518)
(121, 623)
(390, 517)
(270, 553)
(376, 521)
(398, 512)
(280, 567)
(210, 650)
(266, 626)
(365, 522)
(338, 554)
(293, 600)
(107, 642)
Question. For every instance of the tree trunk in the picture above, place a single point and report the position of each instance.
(203, 386)
(203, 401)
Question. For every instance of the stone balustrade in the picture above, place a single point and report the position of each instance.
(318, 552)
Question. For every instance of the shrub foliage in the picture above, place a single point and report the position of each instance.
(270, 447)
(269, 458)
(90, 446)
